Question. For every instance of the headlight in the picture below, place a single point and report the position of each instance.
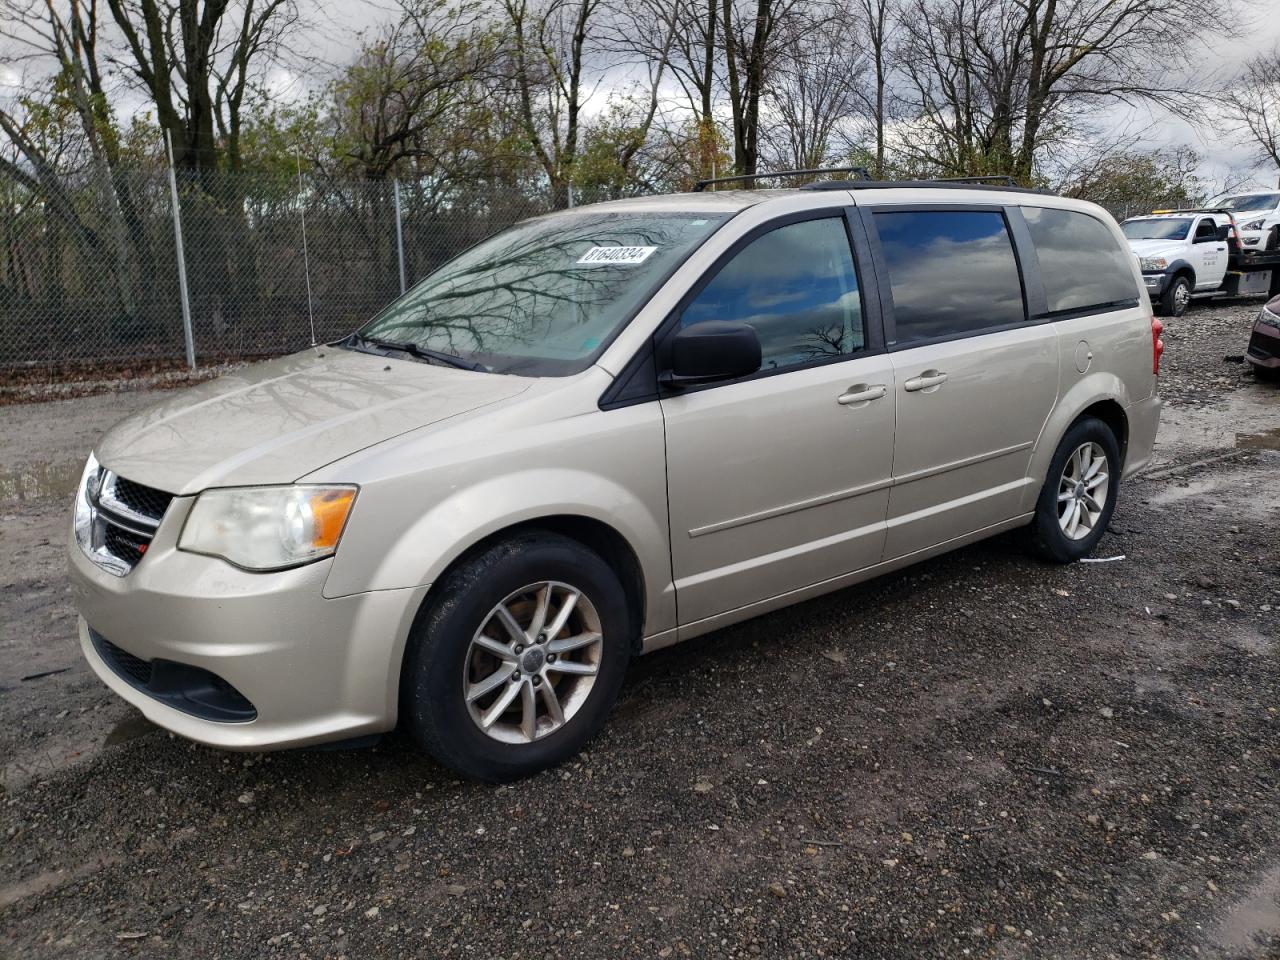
(268, 528)
(1154, 263)
(1254, 224)
(86, 492)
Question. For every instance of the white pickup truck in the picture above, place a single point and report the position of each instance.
(1205, 252)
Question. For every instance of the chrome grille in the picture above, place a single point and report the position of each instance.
(125, 517)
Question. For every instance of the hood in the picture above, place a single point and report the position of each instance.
(277, 421)
(1170, 249)
(1245, 216)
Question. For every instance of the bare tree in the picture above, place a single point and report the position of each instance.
(1252, 102)
(415, 91)
(754, 35)
(993, 82)
(197, 61)
(66, 41)
(814, 91)
(878, 20)
(550, 44)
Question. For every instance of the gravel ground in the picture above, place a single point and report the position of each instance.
(981, 756)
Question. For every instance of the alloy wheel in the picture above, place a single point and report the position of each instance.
(1082, 491)
(531, 665)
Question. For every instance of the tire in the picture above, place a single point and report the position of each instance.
(1273, 239)
(1049, 539)
(1174, 301)
(444, 663)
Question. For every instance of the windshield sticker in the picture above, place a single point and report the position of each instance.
(615, 255)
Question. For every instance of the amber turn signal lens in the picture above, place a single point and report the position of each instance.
(330, 509)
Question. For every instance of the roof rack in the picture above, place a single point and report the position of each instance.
(862, 172)
(1003, 179)
(946, 183)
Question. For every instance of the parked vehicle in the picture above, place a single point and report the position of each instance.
(1258, 216)
(1264, 343)
(1196, 253)
(602, 432)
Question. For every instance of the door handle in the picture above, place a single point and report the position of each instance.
(926, 381)
(861, 393)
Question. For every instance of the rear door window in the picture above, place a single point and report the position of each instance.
(1081, 264)
(952, 273)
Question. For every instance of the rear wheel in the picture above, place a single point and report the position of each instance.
(1175, 300)
(1079, 493)
(518, 659)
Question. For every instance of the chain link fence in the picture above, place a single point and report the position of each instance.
(90, 271)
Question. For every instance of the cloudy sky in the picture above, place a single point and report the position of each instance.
(334, 39)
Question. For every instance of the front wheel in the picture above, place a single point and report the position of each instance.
(1175, 300)
(517, 659)
(1079, 494)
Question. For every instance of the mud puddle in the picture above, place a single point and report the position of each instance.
(39, 481)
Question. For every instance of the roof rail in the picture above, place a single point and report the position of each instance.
(1001, 178)
(944, 184)
(862, 172)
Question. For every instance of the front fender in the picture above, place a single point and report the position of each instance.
(426, 500)
(431, 542)
(1084, 393)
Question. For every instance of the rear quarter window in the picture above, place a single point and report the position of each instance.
(1081, 264)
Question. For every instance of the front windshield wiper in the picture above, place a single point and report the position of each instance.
(421, 353)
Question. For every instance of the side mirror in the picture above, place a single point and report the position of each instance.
(1224, 232)
(712, 350)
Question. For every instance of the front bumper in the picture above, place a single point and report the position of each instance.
(312, 669)
(1155, 283)
(1264, 345)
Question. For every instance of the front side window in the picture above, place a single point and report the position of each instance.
(1206, 228)
(797, 286)
(1081, 263)
(951, 272)
(544, 297)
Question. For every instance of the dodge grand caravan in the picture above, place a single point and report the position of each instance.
(601, 432)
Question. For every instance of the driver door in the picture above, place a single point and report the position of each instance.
(1210, 255)
(780, 480)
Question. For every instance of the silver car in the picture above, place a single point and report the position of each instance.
(602, 432)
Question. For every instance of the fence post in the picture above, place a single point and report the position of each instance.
(182, 260)
(399, 231)
(570, 194)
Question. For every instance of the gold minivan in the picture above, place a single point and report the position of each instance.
(599, 433)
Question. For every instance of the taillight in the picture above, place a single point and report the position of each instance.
(1157, 345)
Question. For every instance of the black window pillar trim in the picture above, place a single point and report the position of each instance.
(869, 281)
(884, 296)
(1028, 262)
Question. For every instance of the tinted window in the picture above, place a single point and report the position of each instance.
(1206, 228)
(1080, 261)
(952, 272)
(797, 286)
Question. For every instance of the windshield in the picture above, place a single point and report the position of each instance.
(1156, 229)
(1248, 201)
(543, 298)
